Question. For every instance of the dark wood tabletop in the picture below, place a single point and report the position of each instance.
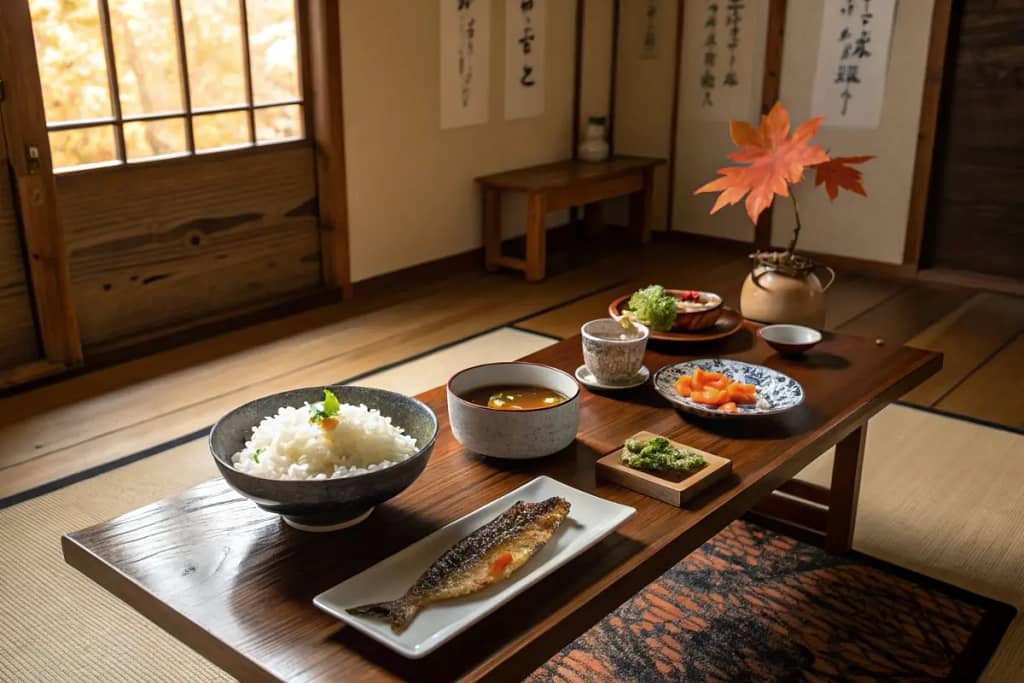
(566, 173)
(237, 584)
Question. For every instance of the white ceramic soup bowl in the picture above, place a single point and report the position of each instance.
(513, 434)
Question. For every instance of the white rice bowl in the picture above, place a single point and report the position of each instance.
(288, 446)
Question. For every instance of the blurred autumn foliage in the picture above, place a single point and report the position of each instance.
(73, 69)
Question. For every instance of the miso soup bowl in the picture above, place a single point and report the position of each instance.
(513, 434)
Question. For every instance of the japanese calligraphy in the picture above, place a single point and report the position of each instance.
(649, 42)
(721, 46)
(467, 28)
(707, 77)
(733, 21)
(465, 62)
(721, 69)
(524, 58)
(854, 48)
(852, 61)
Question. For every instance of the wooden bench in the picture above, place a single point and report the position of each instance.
(561, 185)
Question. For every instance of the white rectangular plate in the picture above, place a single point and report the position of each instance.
(590, 519)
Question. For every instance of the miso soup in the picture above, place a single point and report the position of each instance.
(514, 397)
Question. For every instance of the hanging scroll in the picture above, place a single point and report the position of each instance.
(465, 62)
(720, 45)
(853, 57)
(524, 58)
(649, 41)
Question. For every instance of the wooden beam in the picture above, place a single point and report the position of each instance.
(186, 88)
(674, 123)
(926, 131)
(793, 511)
(577, 95)
(577, 77)
(250, 113)
(113, 89)
(614, 76)
(24, 125)
(807, 491)
(28, 372)
(321, 38)
(770, 85)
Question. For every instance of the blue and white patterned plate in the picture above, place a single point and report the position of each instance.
(776, 392)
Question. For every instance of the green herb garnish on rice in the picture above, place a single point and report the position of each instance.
(329, 408)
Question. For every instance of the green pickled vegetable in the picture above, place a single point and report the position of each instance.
(659, 455)
(654, 307)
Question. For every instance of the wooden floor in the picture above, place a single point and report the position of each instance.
(88, 421)
(921, 471)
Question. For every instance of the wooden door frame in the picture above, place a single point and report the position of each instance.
(319, 24)
(24, 123)
(935, 69)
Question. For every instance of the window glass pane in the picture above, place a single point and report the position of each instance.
(144, 139)
(273, 50)
(278, 123)
(82, 146)
(72, 65)
(221, 130)
(213, 41)
(146, 53)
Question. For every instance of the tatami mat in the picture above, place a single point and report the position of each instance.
(940, 496)
(57, 625)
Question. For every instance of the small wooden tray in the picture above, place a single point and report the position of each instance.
(664, 487)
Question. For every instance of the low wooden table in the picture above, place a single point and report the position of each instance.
(237, 584)
(559, 186)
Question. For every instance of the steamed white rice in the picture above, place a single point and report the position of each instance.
(288, 446)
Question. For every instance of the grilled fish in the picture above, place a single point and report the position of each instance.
(489, 554)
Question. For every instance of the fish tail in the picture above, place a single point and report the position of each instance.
(399, 613)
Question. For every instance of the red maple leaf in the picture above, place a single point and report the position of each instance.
(774, 159)
(838, 172)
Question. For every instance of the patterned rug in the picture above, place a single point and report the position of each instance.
(753, 604)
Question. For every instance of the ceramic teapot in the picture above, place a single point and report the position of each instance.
(783, 288)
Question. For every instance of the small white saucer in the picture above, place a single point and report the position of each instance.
(587, 379)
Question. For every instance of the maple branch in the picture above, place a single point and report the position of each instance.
(796, 214)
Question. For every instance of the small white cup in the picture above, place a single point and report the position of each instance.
(613, 354)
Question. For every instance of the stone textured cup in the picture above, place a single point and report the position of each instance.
(613, 354)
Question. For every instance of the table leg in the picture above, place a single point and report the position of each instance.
(536, 237)
(640, 204)
(845, 490)
(593, 218)
(492, 228)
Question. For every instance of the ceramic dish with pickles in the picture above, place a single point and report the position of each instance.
(725, 388)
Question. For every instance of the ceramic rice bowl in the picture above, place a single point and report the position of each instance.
(514, 434)
(325, 504)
